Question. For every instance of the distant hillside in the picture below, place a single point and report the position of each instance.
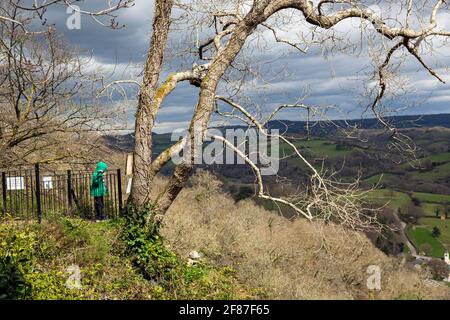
(403, 122)
(125, 142)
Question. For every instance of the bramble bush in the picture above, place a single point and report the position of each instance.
(123, 259)
(16, 254)
(145, 246)
(173, 278)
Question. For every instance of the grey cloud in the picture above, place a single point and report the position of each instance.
(335, 81)
(106, 45)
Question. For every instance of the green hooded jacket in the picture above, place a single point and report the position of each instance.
(98, 187)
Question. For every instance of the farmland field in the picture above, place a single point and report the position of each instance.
(378, 178)
(443, 225)
(437, 172)
(431, 197)
(316, 148)
(440, 158)
(422, 236)
(394, 199)
(430, 208)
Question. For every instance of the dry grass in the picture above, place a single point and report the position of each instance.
(283, 259)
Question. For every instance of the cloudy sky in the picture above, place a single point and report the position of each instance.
(335, 80)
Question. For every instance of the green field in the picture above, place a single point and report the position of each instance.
(421, 235)
(443, 225)
(397, 199)
(442, 157)
(378, 178)
(430, 208)
(438, 144)
(437, 172)
(315, 148)
(442, 170)
(432, 197)
(394, 199)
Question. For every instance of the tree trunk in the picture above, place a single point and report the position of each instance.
(145, 115)
(205, 105)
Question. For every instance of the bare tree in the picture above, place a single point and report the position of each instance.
(36, 9)
(48, 112)
(150, 99)
(411, 30)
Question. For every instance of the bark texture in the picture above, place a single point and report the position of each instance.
(148, 106)
(205, 105)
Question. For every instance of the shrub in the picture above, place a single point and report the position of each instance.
(437, 212)
(439, 269)
(173, 278)
(436, 232)
(416, 201)
(413, 213)
(426, 248)
(34, 262)
(279, 258)
(16, 254)
(144, 244)
(244, 193)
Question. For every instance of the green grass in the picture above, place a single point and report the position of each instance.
(442, 157)
(432, 197)
(423, 233)
(34, 260)
(315, 148)
(421, 236)
(430, 208)
(429, 201)
(441, 171)
(394, 199)
(438, 144)
(443, 225)
(378, 178)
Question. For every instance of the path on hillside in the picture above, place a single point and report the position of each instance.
(411, 247)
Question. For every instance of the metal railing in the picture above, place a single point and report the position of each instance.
(32, 193)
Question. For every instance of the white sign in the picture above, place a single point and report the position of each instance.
(48, 183)
(129, 185)
(129, 165)
(14, 183)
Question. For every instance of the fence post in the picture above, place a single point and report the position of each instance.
(119, 190)
(4, 192)
(38, 191)
(69, 188)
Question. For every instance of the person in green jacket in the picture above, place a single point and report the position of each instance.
(99, 189)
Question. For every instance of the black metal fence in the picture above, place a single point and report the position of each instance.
(32, 193)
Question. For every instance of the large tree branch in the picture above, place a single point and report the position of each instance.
(329, 21)
(259, 12)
